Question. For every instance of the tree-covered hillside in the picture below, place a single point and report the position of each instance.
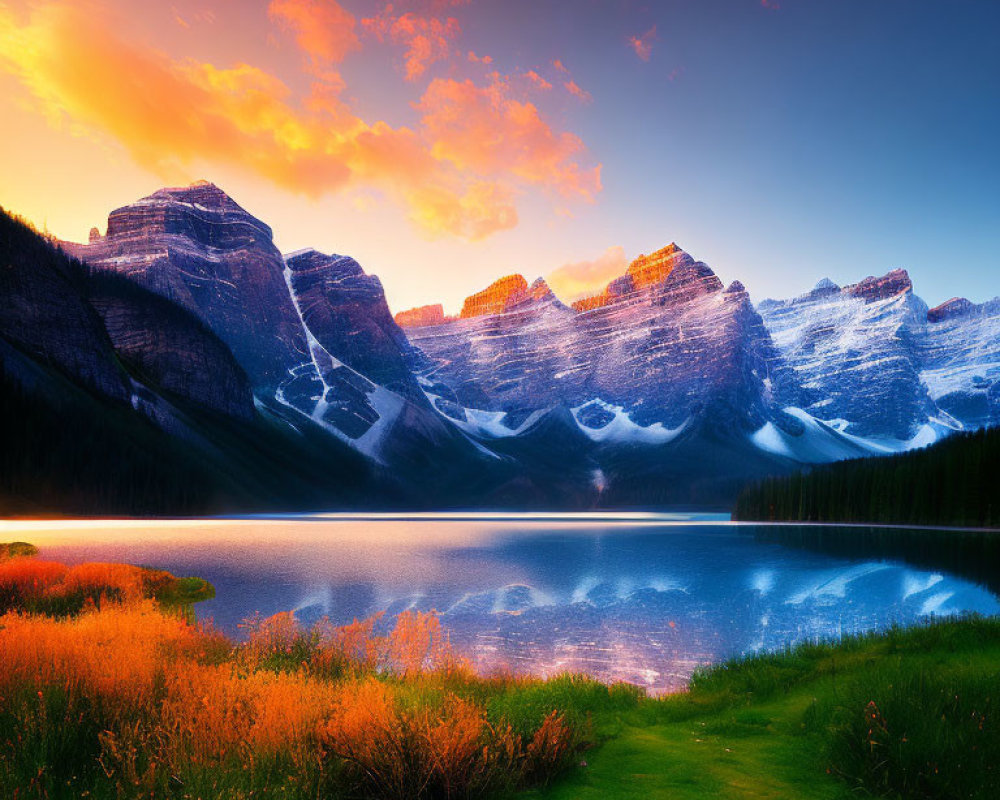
(955, 482)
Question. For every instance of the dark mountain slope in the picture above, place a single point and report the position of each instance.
(116, 400)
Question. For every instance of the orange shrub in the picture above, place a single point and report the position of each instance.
(121, 582)
(28, 578)
(417, 643)
(354, 646)
(399, 750)
(115, 654)
(212, 713)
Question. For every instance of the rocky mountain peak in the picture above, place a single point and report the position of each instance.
(956, 307)
(825, 286)
(645, 272)
(688, 280)
(538, 292)
(333, 265)
(653, 269)
(201, 212)
(494, 298)
(421, 316)
(889, 285)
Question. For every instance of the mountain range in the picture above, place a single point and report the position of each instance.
(289, 376)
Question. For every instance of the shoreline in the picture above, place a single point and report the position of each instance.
(636, 518)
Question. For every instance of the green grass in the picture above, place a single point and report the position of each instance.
(800, 725)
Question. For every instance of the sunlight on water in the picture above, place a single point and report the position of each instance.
(640, 597)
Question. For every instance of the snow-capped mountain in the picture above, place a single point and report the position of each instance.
(960, 363)
(316, 337)
(641, 368)
(667, 386)
(874, 363)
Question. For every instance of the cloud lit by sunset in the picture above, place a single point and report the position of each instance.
(457, 170)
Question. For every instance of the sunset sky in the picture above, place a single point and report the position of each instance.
(444, 143)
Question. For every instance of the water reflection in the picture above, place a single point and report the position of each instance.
(633, 599)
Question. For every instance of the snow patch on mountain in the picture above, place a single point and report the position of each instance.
(622, 430)
(822, 441)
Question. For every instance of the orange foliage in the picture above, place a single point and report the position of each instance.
(116, 654)
(122, 581)
(28, 577)
(167, 695)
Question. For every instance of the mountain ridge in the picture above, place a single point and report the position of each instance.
(666, 366)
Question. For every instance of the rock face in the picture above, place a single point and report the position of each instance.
(961, 360)
(170, 348)
(421, 317)
(663, 357)
(890, 285)
(952, 309)
(345, 311)
(643, 273)
(494, 298)
(357, 380)
(198, 248)
(653, 269)
(854, 352)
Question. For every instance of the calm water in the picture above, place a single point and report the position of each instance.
(643, 599)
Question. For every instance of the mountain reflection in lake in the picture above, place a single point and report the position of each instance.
(635, 600)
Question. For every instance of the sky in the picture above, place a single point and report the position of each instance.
(445, 143)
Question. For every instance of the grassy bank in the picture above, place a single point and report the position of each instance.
(108, 690)
(905, 714)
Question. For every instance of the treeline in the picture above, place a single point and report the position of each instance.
(955, 482)
(82, 455)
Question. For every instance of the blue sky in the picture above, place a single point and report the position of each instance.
(441, 142)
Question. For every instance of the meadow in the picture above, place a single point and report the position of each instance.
(109, 688)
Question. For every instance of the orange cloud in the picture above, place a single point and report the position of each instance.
(643, 45)
(479, 59)
(560, 67)
(426, 39)
(170, 114)
(576, 91)
(581, 279)
(537, 80)
(482, 129)
(324, 30)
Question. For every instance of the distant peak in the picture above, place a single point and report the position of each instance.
(889, 285)
(956, 307)
(644, 272)
(826, 285)
(736, 287)
(493, 299)
(310, 258)
(421, 316)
